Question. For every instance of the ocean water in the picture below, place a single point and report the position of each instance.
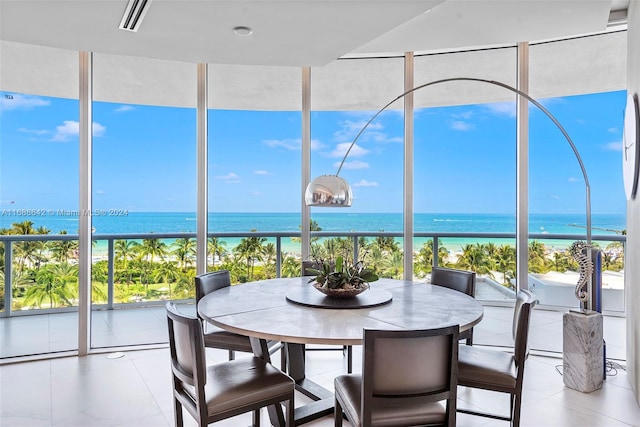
(170, 222)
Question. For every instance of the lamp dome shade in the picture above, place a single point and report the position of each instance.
(329, 191)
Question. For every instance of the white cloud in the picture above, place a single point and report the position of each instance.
(342, 148)
(256, 193)
(613, 146)
(356, 164)
(365, 183)
(466, 115)
(67, 130)
(99, 192)
(289, 144)
(98, 129)
(230, 178)
(555, 197)
(502, 108)
(613, 130)
(261, 173)
(71, 128)
(462, 126)
(124, 109)
(349, 129)
(21, 102)
(573, 179)
(38, 132)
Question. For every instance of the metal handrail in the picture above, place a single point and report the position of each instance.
(9, 239)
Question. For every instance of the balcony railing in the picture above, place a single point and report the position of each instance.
(9, 241)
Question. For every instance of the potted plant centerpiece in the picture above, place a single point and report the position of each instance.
(340, 279)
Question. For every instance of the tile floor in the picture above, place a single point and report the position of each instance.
(135, 390)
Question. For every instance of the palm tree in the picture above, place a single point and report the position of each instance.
(23, 250)
(250, 249)
(152, 248)
(269, 260)
(166, 273)
(475, 259)
(63, 250)
(53, 284)
(185, 251)
(185, 283)
(216, 247)
(374, 259)
(291, 267)
(537, 260)
(125, 251)
(392, 266)
(387, 244)
(505, 263)
(424, 260)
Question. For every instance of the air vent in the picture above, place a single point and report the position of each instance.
(133, 14)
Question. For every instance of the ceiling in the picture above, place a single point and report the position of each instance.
(296, 32)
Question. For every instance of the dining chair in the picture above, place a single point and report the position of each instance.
(406, 377)
(215, 337)
(347, 350)
(495, 370)
(216, 392)
(460, 280)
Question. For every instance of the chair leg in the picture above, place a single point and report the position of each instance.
(349, 359)
(291, 411)
(177, 408)
(515, 413)
(232, 355)
(283, 357)
(470, 339)
(256, 418)
(337, 415)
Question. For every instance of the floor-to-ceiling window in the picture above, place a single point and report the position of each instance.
(592, 114)
(254, 169)
(38, 198)
(464, 167)
(345, 94)
(144, 196)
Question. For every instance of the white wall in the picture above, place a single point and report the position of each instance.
(632, 254)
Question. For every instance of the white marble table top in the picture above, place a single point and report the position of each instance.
(260, 309)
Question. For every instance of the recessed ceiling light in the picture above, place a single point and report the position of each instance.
(243, 31)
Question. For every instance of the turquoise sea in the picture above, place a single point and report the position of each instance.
(171, 222)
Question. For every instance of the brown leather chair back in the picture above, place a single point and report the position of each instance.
(419, 366)
(460, 280)
(211, 281)
(525, 301)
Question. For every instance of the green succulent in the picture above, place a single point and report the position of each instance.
(340, 275)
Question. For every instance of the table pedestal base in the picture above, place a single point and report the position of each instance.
(323, 404)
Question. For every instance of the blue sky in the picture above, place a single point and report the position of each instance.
(144, 157)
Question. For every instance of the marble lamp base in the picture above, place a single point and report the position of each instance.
(582, 349)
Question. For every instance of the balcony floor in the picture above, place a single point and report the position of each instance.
(27, 335)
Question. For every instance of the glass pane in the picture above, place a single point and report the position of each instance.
(144, 199)
(39, 175)
(465, 169)
(254, 170)
(591, 111)
(344, 96)
(558, 196)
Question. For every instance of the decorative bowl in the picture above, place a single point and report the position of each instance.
(341, 292)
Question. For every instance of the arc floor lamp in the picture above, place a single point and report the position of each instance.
(335, 191)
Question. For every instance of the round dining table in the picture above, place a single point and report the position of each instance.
(291, 310)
